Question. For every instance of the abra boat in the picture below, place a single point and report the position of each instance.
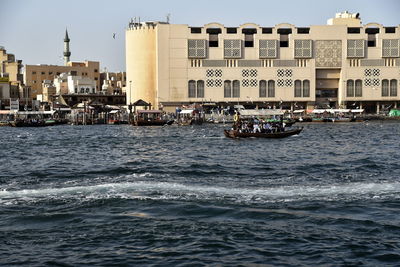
(237, 134)
(150, 118)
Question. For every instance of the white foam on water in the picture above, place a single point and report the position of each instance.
(167, 190)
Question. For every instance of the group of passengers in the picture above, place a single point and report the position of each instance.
(256, 125)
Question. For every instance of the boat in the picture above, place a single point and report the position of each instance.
(238, 134)
(150, 118)
(261, 124)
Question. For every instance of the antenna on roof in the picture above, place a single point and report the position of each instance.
(168, 17)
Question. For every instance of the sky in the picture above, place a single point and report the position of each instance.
(33, 30)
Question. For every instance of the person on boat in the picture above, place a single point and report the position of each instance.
(256, 126)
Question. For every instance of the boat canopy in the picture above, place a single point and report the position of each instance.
(47, 112)
(333, 111)
(298, 111)
(260, 112)
(186, 111)
(151, 111)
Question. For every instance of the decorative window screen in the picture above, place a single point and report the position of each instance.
(302, 48)
(268, 49)
(232, 48)
(390, 48)
(355, 48)
(197, 48)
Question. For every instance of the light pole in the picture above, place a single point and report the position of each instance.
(130, 102)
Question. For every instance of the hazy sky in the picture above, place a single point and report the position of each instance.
(33, 30)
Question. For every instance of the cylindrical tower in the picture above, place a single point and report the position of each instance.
(140, 45)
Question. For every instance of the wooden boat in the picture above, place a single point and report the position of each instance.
(150, 118)
(237, 134)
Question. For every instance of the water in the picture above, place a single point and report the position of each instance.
(184, 196)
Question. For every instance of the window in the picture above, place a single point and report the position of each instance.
(200, 89)
(350, 88)
(306, 88)
(355, 48)
(390, 29)
(236, 88)
(231, 30)
(372, 32)
(192, 88)
(297, 88)
(95, 70)
(213, 36)
(249, 37)
(76, 90)
(197, 48)
(353, 30)
(263, 89)
(232, 48)
(390, 48)
(284, 37)
(268, 48)
(82, 90)
(271, 88)
(43, 72)
(195, 30)
(303, 30)
(266, 30)
(358, 89)
(385, 87)
(393, 87)
(227, 89)
(302, 48)
(33, 72)
(50, 73)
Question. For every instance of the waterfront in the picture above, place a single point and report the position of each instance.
(118, 194)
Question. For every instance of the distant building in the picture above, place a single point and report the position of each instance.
(342, 64)
(113, 82)
(9, 67)
(34, 75)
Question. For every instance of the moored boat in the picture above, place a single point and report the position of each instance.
(238, 134)
(150, 118)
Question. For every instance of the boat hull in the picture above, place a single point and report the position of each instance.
(237, 134)
(152, 122)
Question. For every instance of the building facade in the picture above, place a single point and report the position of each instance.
(341, 64)
(34, 75)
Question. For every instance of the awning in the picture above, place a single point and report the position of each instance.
(114, 111)
(186, 111)
(357, 110)
(260, 112)
(298, 111)
(238, 107)
(149, 111)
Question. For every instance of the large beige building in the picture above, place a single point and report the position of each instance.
(341, 64)
(34, 75)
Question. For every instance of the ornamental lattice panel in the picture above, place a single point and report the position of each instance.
(268, 48)
(328, 53)
(232, 48)
(355, 48)
(390, 47)
(302, 48)
(197, 48)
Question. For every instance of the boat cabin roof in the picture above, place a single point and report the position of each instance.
(151, 111)
(261, 112)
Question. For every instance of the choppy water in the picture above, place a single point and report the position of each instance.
(116, 195)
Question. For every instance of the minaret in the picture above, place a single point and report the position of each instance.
(67, 53)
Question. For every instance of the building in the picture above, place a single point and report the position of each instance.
(113, 82)
(341, 64)
(34, 75)
(11, 79)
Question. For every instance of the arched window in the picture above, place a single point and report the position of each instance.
(82, 90)
(76, 90)
(297, 88)
(271, 88)
(87, 90)
(200, 89)
(350, 88)
(227, 89)
(385, 87)
(192, 88)
(263, 88)
(393, 87)
(306, 88)
(358, 88)
(236, 88)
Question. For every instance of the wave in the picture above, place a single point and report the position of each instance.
(176, 191)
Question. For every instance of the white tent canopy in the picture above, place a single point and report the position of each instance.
(260, 112)
(186, 111)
